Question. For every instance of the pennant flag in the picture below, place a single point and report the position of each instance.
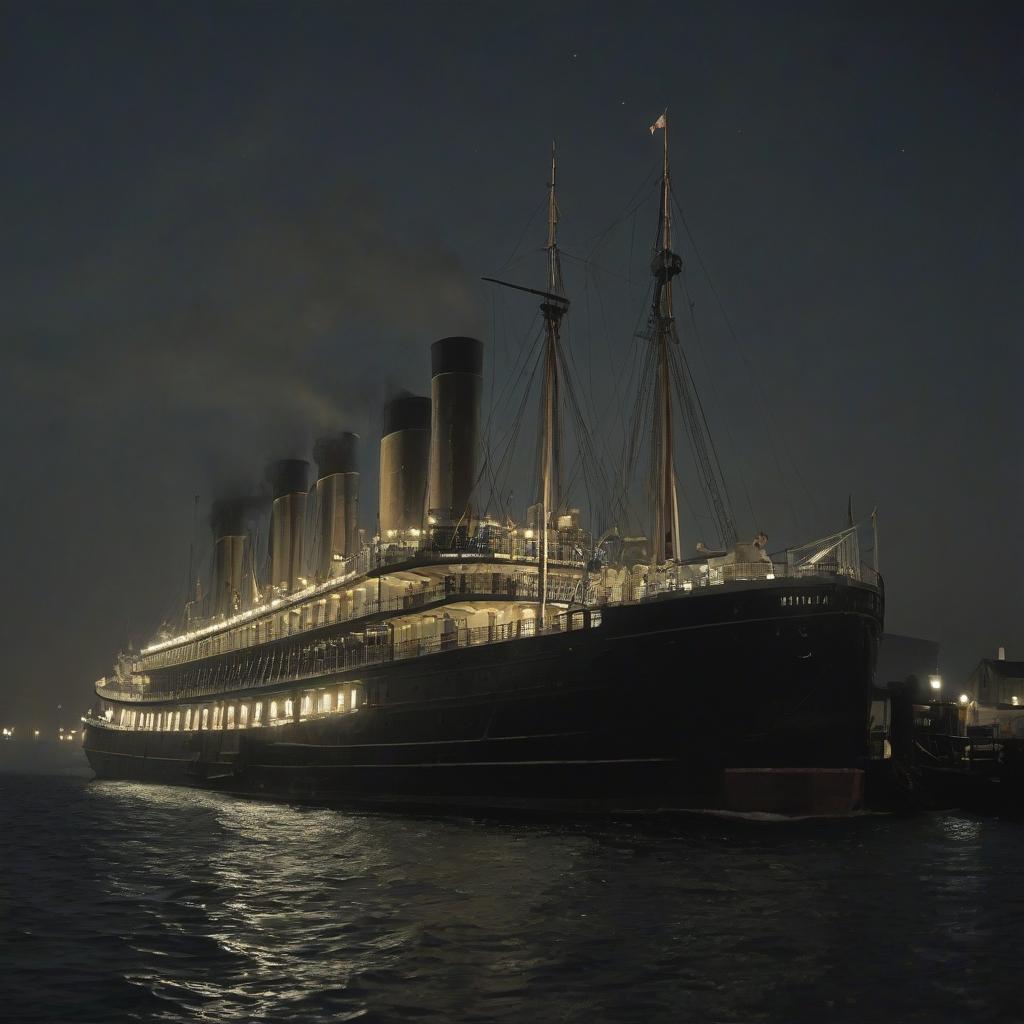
(662, 122)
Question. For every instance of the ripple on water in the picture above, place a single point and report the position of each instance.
(131, 902)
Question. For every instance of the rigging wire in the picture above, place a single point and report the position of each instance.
(699, 433)
(637, 200)
(499, 471)
(527, 226)
(714, 390)
(766, 407)
(689, 395)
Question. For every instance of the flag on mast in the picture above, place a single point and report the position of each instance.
(662, 122)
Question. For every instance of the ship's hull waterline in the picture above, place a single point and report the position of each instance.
(646, 710)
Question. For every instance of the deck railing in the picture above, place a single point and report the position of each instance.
(443, 544)
(288, 623)
(439, 548)
(338, 659)
(697, 577)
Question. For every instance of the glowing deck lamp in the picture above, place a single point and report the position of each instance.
(935, 682)
(964, 699)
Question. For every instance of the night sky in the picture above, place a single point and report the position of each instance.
(229, 227)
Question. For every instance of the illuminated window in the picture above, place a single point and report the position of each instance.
(188, 719)
(595, 618)
(307, 704)
(243, 716)
(341, 699)
(257, 713)
(289, 709)
(273, 710)
(177, 721)
(206, 718)
(216, 717)
(354, 698)
(231, 717)
(325, 702)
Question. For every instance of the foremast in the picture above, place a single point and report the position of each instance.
(553, 308)
(665, 265)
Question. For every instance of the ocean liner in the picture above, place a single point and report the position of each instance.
(459, 658)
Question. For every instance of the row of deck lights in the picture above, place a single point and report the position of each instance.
(304, 592)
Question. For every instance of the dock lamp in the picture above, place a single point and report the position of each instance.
(935, 682)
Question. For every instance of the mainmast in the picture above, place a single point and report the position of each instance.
(665, 265)
(553, 307)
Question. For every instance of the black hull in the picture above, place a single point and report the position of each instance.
(645, 711)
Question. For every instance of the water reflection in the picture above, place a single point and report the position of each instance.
(178, 905)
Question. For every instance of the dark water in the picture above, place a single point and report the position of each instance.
(130, 902)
